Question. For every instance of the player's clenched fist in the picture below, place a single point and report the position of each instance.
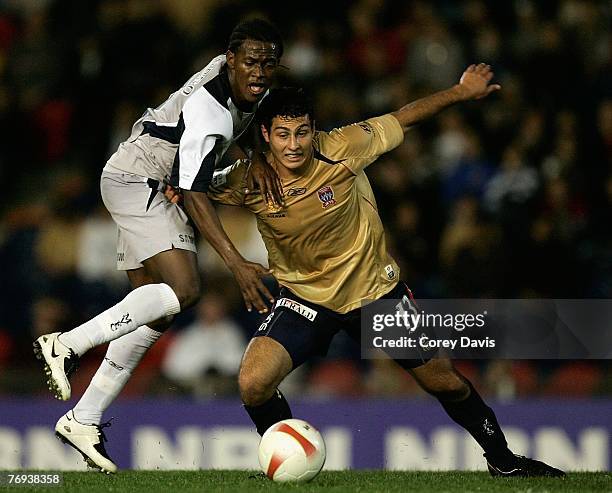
(173, 194)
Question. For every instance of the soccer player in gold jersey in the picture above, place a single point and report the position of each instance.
(327, 250)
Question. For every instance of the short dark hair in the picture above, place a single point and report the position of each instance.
(258, 30)
(288, 102)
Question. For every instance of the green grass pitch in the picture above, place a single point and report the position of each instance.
(333, 481)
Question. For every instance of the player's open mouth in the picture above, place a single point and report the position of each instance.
(257, 88)
(294, 157)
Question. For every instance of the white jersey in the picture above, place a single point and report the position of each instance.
(184, 138)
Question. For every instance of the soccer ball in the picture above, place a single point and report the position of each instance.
(291, 450)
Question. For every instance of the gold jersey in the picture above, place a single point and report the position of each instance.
(327, 243)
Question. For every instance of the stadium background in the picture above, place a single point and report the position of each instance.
(510, 197)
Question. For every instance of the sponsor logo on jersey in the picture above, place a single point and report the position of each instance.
(292, 192)
(303, 310)
(326, 196)
(275, 215)
(390, 271)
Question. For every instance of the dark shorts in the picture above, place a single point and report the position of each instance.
(306, 330)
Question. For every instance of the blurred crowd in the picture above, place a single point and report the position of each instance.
(509, 197)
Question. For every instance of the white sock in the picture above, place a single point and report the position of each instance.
(141, 306)
(122, 357)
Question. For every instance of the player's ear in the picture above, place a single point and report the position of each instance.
(264, 132)
(230, 58)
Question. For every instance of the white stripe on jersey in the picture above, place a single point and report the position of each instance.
(214, 123)
(164, 124)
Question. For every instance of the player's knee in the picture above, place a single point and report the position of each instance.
(187, 294)
(254, 390)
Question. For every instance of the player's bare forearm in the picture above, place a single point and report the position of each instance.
(426, 107)
(248, 274)
(474, 84)
(204, 216)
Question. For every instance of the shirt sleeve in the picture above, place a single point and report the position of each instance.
(204, 122)
(358, 145)
(228, 185)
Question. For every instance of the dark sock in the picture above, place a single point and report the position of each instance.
(275, 409)
(480, 421)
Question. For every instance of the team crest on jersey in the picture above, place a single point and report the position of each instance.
(326, 196)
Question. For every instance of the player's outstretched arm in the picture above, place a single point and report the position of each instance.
(247, 274)
(474, 84)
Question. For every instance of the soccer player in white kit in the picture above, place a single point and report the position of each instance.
(179, 142)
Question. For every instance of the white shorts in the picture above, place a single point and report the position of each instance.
(147, 223)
